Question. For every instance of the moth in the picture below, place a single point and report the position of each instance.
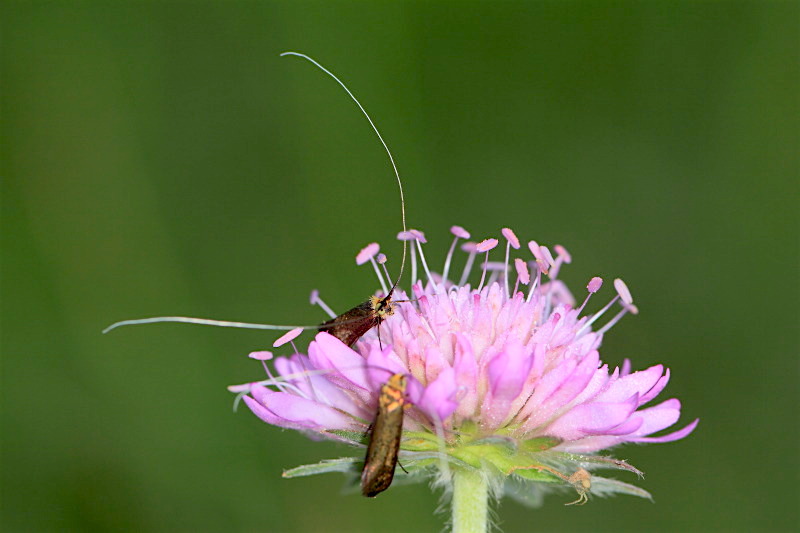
(353, 324)
(384, 439)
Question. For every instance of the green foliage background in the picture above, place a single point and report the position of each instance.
(160, 158)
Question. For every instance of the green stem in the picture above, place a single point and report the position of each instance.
(470, 502)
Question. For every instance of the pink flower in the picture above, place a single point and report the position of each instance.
(504, 377)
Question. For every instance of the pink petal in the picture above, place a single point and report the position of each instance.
(328, 352)
(569, 380)
(677, 435)
(637, 383)
(658, 417)
(439, 398)
(282, 409)
(507, 373)
(591, 418)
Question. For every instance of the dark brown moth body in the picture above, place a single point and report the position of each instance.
(384, 439)
(353, 324)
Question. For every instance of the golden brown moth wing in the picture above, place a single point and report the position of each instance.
(384, 440)
(353, 324)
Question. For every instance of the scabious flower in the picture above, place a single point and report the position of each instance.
(506, 388)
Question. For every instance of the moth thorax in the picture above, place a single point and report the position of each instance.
(382, 307)
(392, 395)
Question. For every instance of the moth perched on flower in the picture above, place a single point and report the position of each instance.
(504, 380)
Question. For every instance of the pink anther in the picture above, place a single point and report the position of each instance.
(458, 231)
(622, 290)
(367, 253)
(418, 235)
(594, 284)
(261, 356)
(486, 245)
(511, 237)
(522, 271)
(547, 256)
(563, 253)
(289, 336)
(469, 247)
(536, 250)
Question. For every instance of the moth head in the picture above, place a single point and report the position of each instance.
(383, 307)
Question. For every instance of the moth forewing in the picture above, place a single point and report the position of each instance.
(353, 324)
(384, 439)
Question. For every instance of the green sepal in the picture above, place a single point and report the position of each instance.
(539, 444)
(420, 441)
(354, 437)
(602, 486)
(344, 464)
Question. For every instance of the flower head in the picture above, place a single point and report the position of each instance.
(503, 378)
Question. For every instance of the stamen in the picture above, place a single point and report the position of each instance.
(459, 232)
(485, 246)
(420, 238)
(380, 276)
(523, 276)
(522, 271)
(563, 253)
(597, 315)
(538, 280)
(623, 291)
(512, 241)
(316, 300)
(368, 254)
(287, 337)
(381, 258)
(614, 320)
(562, 257)
(408, 236)
(541, 261)
(594, 285)
(550, 261)
(469, 247)
(265, 356)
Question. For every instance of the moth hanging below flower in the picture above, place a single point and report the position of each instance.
(384, 438)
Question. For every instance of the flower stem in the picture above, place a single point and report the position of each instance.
(470, 502)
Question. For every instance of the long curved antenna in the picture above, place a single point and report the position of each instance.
(204, 322)
(389, 153)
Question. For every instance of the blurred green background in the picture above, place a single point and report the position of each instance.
(162, 159)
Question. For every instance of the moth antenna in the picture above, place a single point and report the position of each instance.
(385, 146)
(210, 322)
(203, 322)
